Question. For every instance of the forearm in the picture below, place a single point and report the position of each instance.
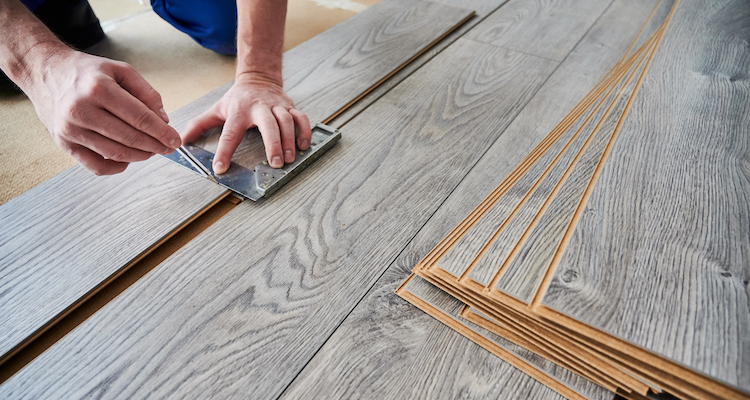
(26, 45)
(260, 39)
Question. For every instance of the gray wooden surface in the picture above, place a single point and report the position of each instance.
(62, 240)
(451, 307)
(528, 265)
(462, 255)
(482, 9)
(248, 303)
(660, 257)
(433, 361)
(500, 249)
(557, 25)
(328, 72)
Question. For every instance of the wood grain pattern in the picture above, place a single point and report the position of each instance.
(527, 267)
(332, 70)
(62, 239)
(563, 381)
(249, 307)
(460, 256)
(498, 251)
(52, 257)
(557, 26)
(482, 8)
(466, 253)
(659, 257)
(429, 361)
(427, 357)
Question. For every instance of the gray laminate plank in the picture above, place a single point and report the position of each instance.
(527, 268)
(482, 8)
(63, 239)
(661, 255)
(462, 254)
(451, 307)
(500, 248)
(544, 28)
(399, 352)
(248, 303)
(424, 356)
(331, 70)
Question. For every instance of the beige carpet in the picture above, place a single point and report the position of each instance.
(174, 65)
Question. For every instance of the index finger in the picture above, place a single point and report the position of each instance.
(132, 111)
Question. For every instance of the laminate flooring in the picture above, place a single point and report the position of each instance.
(54, 257)
(334, 69)
(659, 257)
(265, 299)
(66, 237)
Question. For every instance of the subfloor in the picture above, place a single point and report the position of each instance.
(177, 67)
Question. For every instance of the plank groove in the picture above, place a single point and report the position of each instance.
(46, 261)
(62, 240)
(427, 361)
(249, 307)
(660, 255)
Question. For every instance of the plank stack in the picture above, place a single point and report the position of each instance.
(629, 218)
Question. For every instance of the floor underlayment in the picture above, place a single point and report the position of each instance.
(28, 156)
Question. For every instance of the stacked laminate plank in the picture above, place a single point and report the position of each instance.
(246, 306)
(550, 259)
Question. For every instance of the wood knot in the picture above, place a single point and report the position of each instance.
(569, 276)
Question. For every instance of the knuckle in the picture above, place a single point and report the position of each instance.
(268, 120)
(77, 111)
(286, 119)
(118, 154)
(95, 89)
(143, 122)
(231, 136)
(135, 140)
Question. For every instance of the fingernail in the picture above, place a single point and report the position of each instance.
(164, 115)
(219, 167)
(303, 144)
(289, 156)
(167, 151)
(276, 162)
(174, 143)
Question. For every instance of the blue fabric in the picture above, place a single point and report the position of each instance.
(211, 23)
(32, 4)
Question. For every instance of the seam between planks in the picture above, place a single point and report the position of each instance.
(392, 263)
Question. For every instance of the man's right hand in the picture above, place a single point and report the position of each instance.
(102, 112)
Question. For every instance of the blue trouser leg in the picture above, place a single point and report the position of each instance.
(211, 23)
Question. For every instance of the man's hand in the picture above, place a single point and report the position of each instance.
(251, 102)
(100, 111)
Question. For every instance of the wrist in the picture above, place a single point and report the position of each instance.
(259, 77)
(33, 66)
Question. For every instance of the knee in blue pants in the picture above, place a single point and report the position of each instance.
(211, 23)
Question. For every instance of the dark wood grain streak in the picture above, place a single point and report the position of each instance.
(427, 357)
(62, 239)
(452, 308)
(556, 26)
(332, 70)
(53, 252)
(661, 255)
(243, 310)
